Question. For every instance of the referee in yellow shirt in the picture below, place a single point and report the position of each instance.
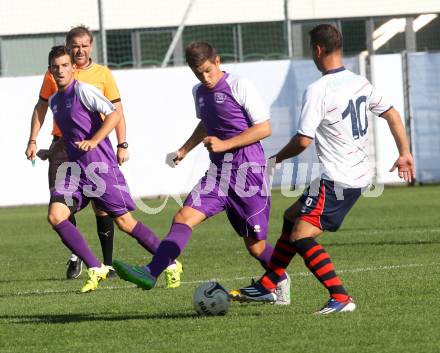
(80, 40)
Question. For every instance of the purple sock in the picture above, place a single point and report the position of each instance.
(264, 259)
(145, 237)
(170, 248)
(73, 239)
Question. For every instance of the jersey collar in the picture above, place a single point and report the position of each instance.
(89, 65)
(333, 71)
(69, 88)
(219, 82)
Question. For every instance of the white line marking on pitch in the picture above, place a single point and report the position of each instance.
(298, 274)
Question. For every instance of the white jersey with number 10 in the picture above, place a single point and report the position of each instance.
(334, 113)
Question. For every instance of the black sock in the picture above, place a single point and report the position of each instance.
(72, 219)
(106, 231)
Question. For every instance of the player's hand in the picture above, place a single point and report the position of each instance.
(122, 155)
(174, 158)
(43, 154)
(405, 167)
(275, 159)
(270, 166)
(86, 145)
(214, 144)
(31, 151)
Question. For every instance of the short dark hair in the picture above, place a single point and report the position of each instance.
(59, 50)
(78, 31)
(196, 53)
(327, 36)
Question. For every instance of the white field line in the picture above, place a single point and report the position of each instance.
(297, 274)
(390, 231)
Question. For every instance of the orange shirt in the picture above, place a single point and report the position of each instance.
(95, 74)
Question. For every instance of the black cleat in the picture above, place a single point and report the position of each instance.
(111, 272)
(74, 268)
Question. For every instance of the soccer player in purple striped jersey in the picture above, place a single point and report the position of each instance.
(334, 115)
(233, 121)
(93, 172)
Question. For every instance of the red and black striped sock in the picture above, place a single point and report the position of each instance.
(319, 263)
(282, 255)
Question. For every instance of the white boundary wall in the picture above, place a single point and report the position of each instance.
(387, 75)
(159, 109)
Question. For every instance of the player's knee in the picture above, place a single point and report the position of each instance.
(256, 249)
(100, 213)
(189, 216)
(125, 224)
(180, 218)
(122, 225)
(55, 218)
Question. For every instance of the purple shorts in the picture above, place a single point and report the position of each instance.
(109, 192)
(244, 196)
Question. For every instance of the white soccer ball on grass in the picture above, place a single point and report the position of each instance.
(211, 298)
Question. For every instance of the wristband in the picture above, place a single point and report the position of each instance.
(122, 145)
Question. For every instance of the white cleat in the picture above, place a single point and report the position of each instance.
(282, 292)
(334, 306)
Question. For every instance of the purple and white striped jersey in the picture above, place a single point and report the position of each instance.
(227, 110)
(77, 112)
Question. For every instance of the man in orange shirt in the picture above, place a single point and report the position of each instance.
(80, 41)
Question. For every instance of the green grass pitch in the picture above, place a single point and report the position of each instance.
(387, 254)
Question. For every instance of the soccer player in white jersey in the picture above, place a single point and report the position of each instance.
(334, 115)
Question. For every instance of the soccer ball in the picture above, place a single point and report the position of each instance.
(211, 298)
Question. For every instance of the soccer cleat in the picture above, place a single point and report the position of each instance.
(334, 306)
(74, 267)
(138, 275)
(111, 272)
(282, 292)
(95, 275)
(235, 295)
(256, 292)
(172, 275)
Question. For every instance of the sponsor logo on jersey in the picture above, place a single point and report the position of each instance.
(201, 102)
(257, 228)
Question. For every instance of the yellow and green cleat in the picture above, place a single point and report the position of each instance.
(95, 275)
(139, 275)
(172, 275)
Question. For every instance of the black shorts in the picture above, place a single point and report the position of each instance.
(325, 206)
(58, 156)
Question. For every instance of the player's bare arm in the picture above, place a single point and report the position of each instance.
(196, 137)
(405, 162)
(109, 124)
(37, 122)
(296, 145)
(121, 134)
(249, 136)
